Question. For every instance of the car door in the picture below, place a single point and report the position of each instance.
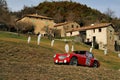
(82, 58)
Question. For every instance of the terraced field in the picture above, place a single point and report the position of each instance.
(22, 61)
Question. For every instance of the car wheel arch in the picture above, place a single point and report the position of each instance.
(73, 57)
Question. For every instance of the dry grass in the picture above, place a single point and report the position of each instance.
(20, 61)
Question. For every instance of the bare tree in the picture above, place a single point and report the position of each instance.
(49, 32)
(110, 13)
(23, 27)
(58, 17)
(3, 4)
(4, 13)
(71, 16)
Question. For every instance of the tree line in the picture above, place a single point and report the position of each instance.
(7, 20)
(60, 11)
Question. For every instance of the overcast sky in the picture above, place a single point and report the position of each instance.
(101, 5)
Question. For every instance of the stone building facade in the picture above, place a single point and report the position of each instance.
(102, 34)
(67, 28)
(39, 22)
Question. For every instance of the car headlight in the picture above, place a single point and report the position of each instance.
(56, 61)
(65, 61)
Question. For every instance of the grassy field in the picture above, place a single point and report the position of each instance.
(22, 61)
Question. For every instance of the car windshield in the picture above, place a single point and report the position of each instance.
(79, 52)
(89, 54)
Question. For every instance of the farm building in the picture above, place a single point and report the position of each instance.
(101, 34)
(39, 22)
(67, 26)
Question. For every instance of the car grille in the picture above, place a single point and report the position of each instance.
(62, 57)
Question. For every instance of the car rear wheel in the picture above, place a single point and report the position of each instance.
(95, 64)
(74, 61)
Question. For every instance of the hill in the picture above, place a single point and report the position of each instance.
(62, 11)
(69, 11)
(22, 61)
(66, 11)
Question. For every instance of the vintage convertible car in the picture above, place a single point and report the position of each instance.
(84, 58)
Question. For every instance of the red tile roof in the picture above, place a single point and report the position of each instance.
(61, 24)
(94, 26)
(35, 16)
(38, 16)
(116, 33)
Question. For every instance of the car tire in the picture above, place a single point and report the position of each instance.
(74, 61)
(95, 64)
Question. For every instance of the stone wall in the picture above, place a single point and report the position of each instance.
(110, 38)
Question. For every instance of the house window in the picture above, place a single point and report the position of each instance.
(111, 32)
(94, 30)
(72, 26)
(76, 26)
(100, 30)
(88, 40)
(110, 37)
(71, 33)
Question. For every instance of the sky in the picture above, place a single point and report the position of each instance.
(101, 5)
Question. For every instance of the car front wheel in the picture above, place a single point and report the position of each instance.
(74, 61)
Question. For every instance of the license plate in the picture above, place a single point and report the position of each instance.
(60, 61)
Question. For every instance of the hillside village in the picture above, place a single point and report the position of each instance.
(31, 38)
(62, 22)
(101, 33)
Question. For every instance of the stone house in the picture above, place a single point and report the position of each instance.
(102, 34)
(39, 22)
(66, 28)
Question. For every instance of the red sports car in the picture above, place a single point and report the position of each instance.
(84, 58)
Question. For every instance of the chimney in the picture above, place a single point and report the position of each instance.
(92, 24)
